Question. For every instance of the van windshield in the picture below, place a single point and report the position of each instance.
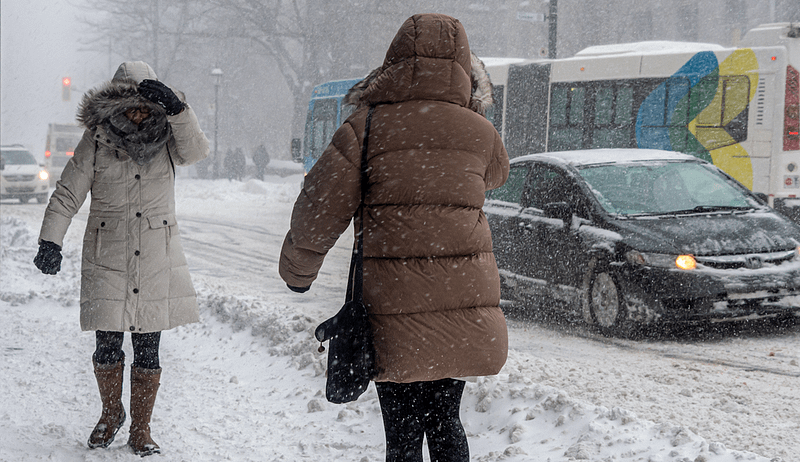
(17, 157)
(656, 188)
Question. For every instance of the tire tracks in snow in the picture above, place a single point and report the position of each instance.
(748, 348)
(254, 246)
(250, 251)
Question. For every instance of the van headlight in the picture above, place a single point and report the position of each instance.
(661, 260)
(43, 175)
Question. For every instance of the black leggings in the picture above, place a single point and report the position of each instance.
(145, 348)
(413, 410)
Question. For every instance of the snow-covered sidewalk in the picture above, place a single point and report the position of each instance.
(247, 384)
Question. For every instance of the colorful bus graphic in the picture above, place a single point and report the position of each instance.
(735, 107)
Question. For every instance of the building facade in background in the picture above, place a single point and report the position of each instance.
(520, 29)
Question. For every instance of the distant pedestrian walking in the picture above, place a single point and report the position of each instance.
(227, 164)
(235, 163)
(261, 160)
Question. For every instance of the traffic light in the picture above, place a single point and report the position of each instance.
(66, 88)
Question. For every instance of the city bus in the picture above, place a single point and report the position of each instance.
(62, 139)
(325, 114)
(735, 107)
(326, 111)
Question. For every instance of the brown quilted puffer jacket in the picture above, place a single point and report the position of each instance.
(430, 279)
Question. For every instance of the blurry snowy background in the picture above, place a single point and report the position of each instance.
(272, 52)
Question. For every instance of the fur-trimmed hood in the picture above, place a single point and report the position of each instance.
(104, 108)
(109, 99)
(480, 100)
(117, 95)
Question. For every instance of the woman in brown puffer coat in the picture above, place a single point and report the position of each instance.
(134, 277)
(431, 283)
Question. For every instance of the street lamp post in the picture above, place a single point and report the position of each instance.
(552, 35)
(217, 74)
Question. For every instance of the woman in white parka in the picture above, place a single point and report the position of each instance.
(134, 276)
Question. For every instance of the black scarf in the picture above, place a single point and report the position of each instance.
(141, 142)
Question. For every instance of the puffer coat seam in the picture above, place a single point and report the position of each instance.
(376, 205)
(438, 311)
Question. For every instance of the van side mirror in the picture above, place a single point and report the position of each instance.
(560, 211)
(2, 164)
(297, 155)
(762, 197)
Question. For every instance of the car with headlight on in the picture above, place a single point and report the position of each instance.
(21, 177)
(635, 238)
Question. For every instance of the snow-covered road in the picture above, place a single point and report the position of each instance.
(245, 383)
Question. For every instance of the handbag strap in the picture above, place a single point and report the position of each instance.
(355, 282)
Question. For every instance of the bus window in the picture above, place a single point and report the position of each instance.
(734, 111)
(558, 106)
(567, 118)
(325, 114)
(612, 130)
(677, 91)
(624, 107)
(703, 93)
(664, 115)
(724, 121)
(495, 112)
(663, 102)
(652, 113)
(577, 102)
(323, 124)
(347, 111)
(603, 106)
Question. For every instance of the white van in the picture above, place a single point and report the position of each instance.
(21, 177)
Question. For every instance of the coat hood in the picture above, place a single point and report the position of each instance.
(136, 71)
(481, 97)
(117, 95)
(428, 59)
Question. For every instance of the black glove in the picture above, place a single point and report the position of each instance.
(49, 258)
(161, 94)
(299, 290)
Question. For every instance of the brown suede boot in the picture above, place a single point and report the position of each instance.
(144, 386)
(109, 382)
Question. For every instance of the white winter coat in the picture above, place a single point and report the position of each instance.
(134, 275)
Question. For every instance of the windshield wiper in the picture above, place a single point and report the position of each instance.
(698, 209)
(711, 208)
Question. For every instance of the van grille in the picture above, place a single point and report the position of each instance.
(15, 178)
(751, 261)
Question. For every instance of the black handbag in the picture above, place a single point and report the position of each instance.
(351, 355)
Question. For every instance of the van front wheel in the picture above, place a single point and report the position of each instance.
(608, 306)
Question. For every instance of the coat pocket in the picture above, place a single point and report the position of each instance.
(106, 247)
(166, 222)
